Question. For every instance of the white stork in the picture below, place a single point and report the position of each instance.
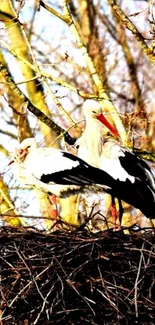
(55, 171)
(61, 173)
(134, 182)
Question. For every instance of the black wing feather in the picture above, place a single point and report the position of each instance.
(134, 165)
(140, 194)
(83, 174)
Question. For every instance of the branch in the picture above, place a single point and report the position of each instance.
(44, 80)
(129, 25)
(27, 103)
(9, 134)
(102, 94)
(145, 154)
(53, 11)
(58, 81)
(13, 218)
(57, 102)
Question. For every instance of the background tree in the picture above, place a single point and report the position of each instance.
(53, 57)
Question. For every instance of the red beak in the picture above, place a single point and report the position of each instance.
(103, 120)
(11, 162)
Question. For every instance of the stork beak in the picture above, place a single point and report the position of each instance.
(103, 120)
(11, 162)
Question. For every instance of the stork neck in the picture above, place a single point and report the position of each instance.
(91, 142)
(93, 125)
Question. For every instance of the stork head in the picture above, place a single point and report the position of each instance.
(93, 110)
(26, 147)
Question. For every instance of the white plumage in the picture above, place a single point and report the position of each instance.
(61, 173)
(110, 160)
(134, 181)
(55, 171)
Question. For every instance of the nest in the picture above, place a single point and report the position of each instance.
(76, 278)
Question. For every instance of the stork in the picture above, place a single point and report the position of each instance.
(135, 180)
(56, 171)
(124, 176)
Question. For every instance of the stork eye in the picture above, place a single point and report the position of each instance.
(94, 112)
(28, 147)
(76, 146)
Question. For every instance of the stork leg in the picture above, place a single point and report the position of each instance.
(54, 212)
(120, 214)
(114, 213)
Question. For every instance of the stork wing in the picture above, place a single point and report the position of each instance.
(138, 168)
(60, 167)
(140, 193)
(81, 173)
